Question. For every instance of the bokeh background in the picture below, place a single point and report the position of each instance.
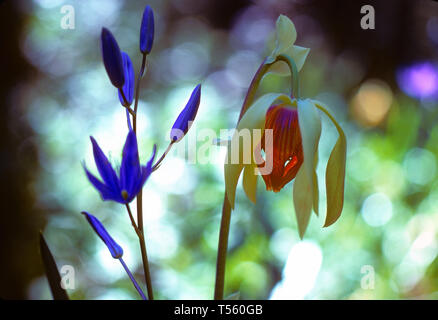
(382, 85)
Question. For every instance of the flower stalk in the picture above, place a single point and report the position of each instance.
(226, 207)
(140, 228)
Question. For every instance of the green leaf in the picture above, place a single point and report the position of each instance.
(52, 272)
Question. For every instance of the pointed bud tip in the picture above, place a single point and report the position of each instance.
(147, 30)
(112, 58)
(115, 250)
(187, 116)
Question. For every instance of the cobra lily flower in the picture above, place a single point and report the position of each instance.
(291, 152)
(112, 58)
(125, 187)
(285, 134)
(128, 87)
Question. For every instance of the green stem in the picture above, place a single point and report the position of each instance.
(295, 81)
(222, 250)
(134, 282)
(137, 90)
(158, 163)
(140, 228)
(147, 273)
(254, 85)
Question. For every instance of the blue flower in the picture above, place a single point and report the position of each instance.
(112, 58)
(147, 30)
(113, 247)
(128, 87)
(187, 115)
(125, 188)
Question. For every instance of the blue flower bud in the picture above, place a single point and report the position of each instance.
(112, 58)
(186, 117)
(113, 247)
(147, 30)
(128, 87)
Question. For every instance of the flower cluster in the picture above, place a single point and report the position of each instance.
(126, 185)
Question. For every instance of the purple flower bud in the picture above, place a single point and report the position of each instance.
(186, 117)
(147, 30)
(128, 87)
(112, 58)
(113, 247)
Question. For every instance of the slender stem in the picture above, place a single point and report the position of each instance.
(140, 228)
(157, 164)
(226, 208)
(144, 255)
(254, 85)
(137, 231)
(137, 90)
(147, 273)
(295, 84)
(126, 105)
(134, 282)
(222, 250)
(128, 120)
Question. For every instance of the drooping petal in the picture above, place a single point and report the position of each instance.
(147, 30)
(315, 192)
(232, 173)
(250, 181)
(115, 250)
(254, 118)
(130, 167)
(112, 58)
(285, 36)
(335, 172)
(105, 192)
(302, 195)
(335, 180)
(104, 167)
(187, 115)
(310, 127)
(128, 87)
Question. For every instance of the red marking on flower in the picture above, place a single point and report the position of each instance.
(287, 149)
